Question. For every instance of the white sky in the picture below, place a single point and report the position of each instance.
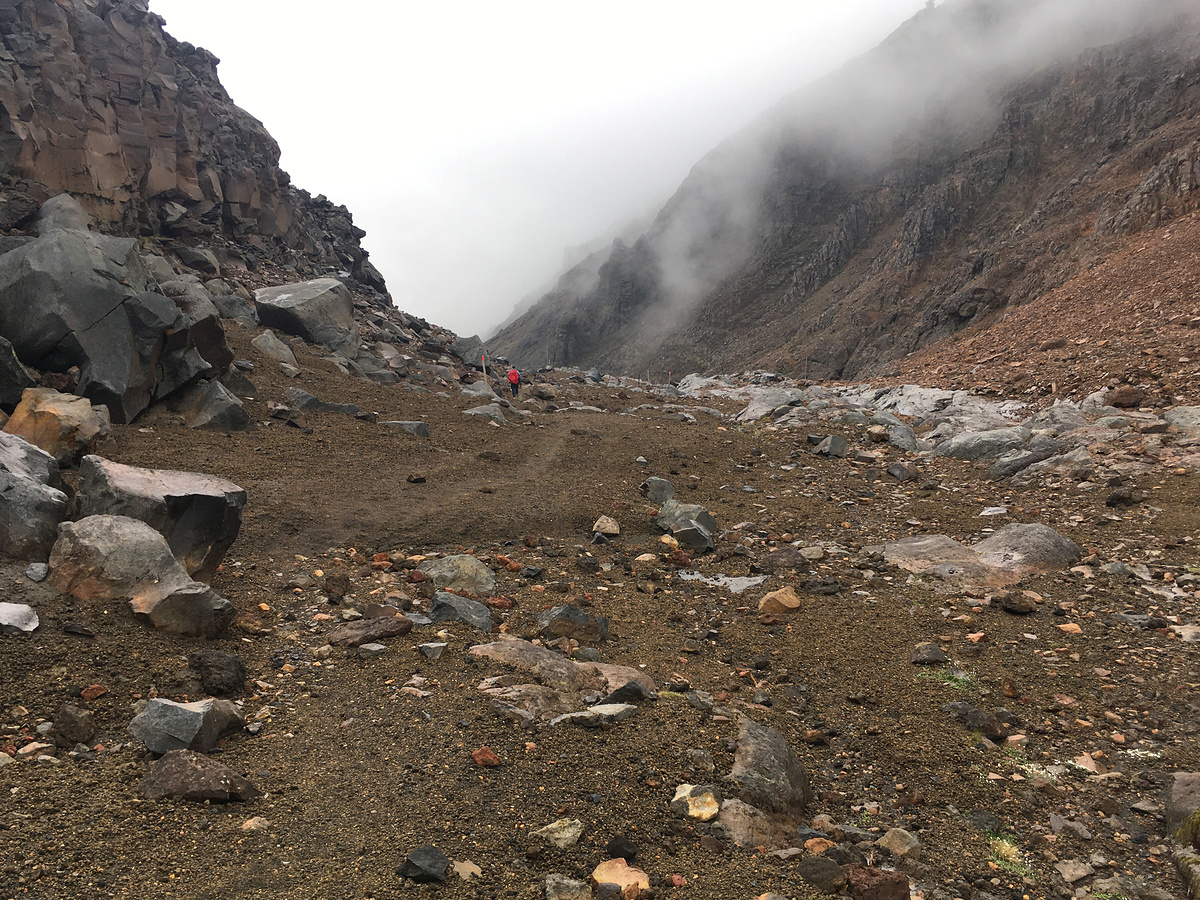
(475, 140)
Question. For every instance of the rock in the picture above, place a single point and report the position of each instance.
(185, 775)
(486, 758)
(303, 400)
(900, 843)
(14, 377)
(466, 870)
(929, 655)
(37, 572)
(63, 425)
(453, 608)
(574, 623)
(256, 824)
(1040, 448)
(559, 887)
(1059, 825)
(73, 725)
(690, 524)
(1182, 798)
(767, 771)
(479, 389)
(463, 573)
(469, 351)
(211, 406)
(320, 311)
(371, 650)
(96, 309)
(425, 865)
(17, 617)
(433, 650)
(902, 471)
(701, 802)
(784, 600)
(982, 445)
(550, 668)
(231, 306)
(630, 880)
(1017, 604)
(199, 515)
(606, 525)
(269, 344)
(563, 833)
(1027, 549)
(833, 446)
(658, 490)
(1185, 418)
(597, 716)
(902, 437)
(221, 674)
(165, 725)
(1073, 870)
(115, 557)
(876, 884)
(491, 412)
(32, 506)
(367, 631)
(1125, 396)
(750, 827)
(416, 429)
(822, 873)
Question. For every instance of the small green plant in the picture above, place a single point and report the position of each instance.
(1007, 857)
(1189, 830)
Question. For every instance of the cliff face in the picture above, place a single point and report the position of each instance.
(964, 166)
(97, 100)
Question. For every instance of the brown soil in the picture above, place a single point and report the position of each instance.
(359, 773)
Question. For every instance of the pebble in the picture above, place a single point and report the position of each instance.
(370, 651)
(258, 823)
(432, 651)
(563, 833)
(486, 758)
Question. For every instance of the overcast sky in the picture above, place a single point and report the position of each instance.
(476, 141)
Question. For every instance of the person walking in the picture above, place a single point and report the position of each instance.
(514, 380)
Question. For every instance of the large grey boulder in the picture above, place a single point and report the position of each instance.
(205, 331)
(691, 524)
(31, 506)
(479, 389)
(199, 515)
(448, 607)
(94, 308)
(1185, 418)
(212, 406)
(492, 412)
(461, 572)
(165, 725)
(767, 772)
(981, 445)
(1041, 448)
(115, 557)
(469, 351)
(1026, 549)
(320, 311)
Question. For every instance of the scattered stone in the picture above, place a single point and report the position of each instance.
(425, 865)
(571, 622)
(17, 618)
(185, 775)
(552, 669)
(767, 771)
(702, 802)
(165, 725)
(486, 758)
(562, 834)
(929, 655)
(256, 824)
(597, 716)
(658, 490)
(784, 600)
(449, 607)
(607, 526)
(1073, 870)
(73, 725)
(462, 572)
(466, 870)
(37, 572)
(303, 400)
(367, 631)
(432, 651)
(900, 843)
(833, 446)
(492, 412)
(822, 873)
(371, 650)
(212, 407)
(749, 827)
(630, 880)
(1019, 604)
(221, 674)
(559, 887)
(690, 524)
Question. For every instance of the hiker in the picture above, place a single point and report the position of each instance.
(514, 380)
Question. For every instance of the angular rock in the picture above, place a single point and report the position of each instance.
(31, 506)
(491, 412)
(690, 524)
(563, 833)
(462, 572)
(833, 446)
(784, 600)
(598, 716)
(199, 515)
(1185, 418)
(629, 880)
(1040, 448)
(320, 311)
(574, 623)
(63, 425)
(14, 377)
(658, 490)
(185, 775)
(876, 884)
(302, 399)
(231, 306)
(165, 725)
(606, 525)
(1182, 798)
(822, 873)
(900, 843)
(269, 344)
(73, 725)
(767, 771)
(425, 865)
(17, 618)
(115, 557)
(548, 667)
(982, 445)
(559, 887)
(221, 674)
(1073, 870)
(929, 655)
(479, 389)
(749, 827)
(453, 608)
(701, 802)
(211, 406)
(416, 429)
(368, 631)
(469, 351)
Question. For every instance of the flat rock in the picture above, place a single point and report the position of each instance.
(929, 655)
(17, 617)
(461, 572)
(629, 879)
(185, 775)
(211, 406)
(784, 600)
(562, 833)
(548, 667)
(165, 725)
(303, 400)
(1073, 870)
(416, 429)
(449, 607)
(368, 631)
(981, 445)
(425, 865)
(199, 515)
(321, 311)
(572, 622)
(598, 716)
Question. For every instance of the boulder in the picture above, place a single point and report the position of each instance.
(165, 725)
(205, 334)
(1040, 448)
(461, 572)
(31, 506)
(981, 445)
(690, 524)
(222, 674)
(492, 412)
(469, 351)
(658, 490)
(302, 399)
(230, 306)
(320, 311)
(448, 607)
(767, 772)
(548, 667)
(574, 623)
(185, 775)
(17, 618)
(416, 429)
(65, 426)
(211, 406)
(115, 557)
(270, 345)
(199, 515)
(1027, 549)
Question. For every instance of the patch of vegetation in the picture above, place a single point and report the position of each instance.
(959, 680)
(1006, 856)
(1189, 830)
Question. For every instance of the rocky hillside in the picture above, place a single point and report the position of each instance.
(969, 165)
(97, 100)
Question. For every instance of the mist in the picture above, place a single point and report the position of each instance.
(475, 142)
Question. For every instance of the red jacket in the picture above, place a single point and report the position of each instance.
(514, 377)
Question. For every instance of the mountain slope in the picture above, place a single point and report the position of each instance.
(977, 159)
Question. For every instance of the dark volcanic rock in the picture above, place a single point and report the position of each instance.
(767, 771)
(222, 674)
(185, 775)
